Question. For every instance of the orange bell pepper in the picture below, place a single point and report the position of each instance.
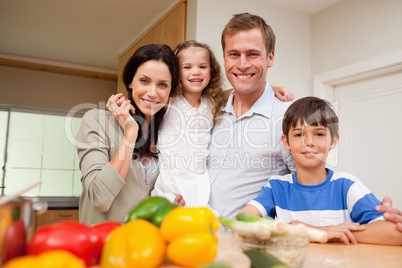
(190, 233)
(138, 243)
(49, 259)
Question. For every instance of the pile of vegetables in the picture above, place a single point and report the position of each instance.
(157, 228)
(153, 230)
(64, 244)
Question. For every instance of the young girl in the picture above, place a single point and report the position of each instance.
(185, 132)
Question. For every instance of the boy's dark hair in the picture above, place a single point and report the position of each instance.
(312, 110)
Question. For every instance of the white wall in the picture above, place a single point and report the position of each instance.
(207, 18)
(352, 31)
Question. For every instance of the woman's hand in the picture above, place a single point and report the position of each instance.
(283, 93)
(120, 107)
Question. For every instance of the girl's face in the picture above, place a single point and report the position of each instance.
(151, 87)
(195, 69)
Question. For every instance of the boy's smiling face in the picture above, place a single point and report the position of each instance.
(309, 145)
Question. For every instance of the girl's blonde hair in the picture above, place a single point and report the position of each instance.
(213, 91)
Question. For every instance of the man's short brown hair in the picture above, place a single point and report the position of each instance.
(246, 21)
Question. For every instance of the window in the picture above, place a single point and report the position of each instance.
(37, 144)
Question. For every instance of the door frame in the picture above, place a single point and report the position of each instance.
(324, 83)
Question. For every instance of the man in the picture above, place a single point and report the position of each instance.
(246, 147)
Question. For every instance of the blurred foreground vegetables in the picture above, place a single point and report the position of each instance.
(138, 243)
(153, 209)
(103, 229)
(49, 259)
(156, 228)
(81, 240)
(190, 233)
(263, 228)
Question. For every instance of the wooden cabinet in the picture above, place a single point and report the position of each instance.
(53, 216)
(169, 30)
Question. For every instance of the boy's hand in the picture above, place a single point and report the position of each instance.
(390, 213)
(342, 232)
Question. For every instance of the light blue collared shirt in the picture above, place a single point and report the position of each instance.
(245, 152)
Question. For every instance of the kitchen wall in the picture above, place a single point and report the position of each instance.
(347, 32)
(38, 145)
(352, 31)
(45, 90)
(207, 18)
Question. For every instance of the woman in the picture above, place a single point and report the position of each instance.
(116, 149)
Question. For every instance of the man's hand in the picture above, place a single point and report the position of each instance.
(390, 213)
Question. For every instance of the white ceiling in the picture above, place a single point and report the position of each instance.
(90, 32)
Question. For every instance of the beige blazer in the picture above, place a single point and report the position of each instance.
(105, 195)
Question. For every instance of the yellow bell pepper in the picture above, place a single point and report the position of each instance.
(138, 244)
(191, 250)
(189, 232)
(184, 220)
(48, 259)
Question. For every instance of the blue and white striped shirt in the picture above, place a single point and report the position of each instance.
(341, 198)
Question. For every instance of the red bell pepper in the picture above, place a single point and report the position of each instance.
(103, 229)
(13, 241)
(75, 237)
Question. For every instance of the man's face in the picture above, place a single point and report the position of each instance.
(246, 61)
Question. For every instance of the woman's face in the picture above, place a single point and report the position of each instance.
(151, 87)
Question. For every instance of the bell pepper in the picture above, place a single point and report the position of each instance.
(75, 237)
(152, 209)
(103, 229)
(190, 233)
(138, 243)
(49, 259)
(14, 240)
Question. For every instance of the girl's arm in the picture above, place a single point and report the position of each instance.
(379, 232)
(283, 93)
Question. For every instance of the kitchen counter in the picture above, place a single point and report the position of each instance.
(325, 255)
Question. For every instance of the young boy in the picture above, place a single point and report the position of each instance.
(316, 196)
